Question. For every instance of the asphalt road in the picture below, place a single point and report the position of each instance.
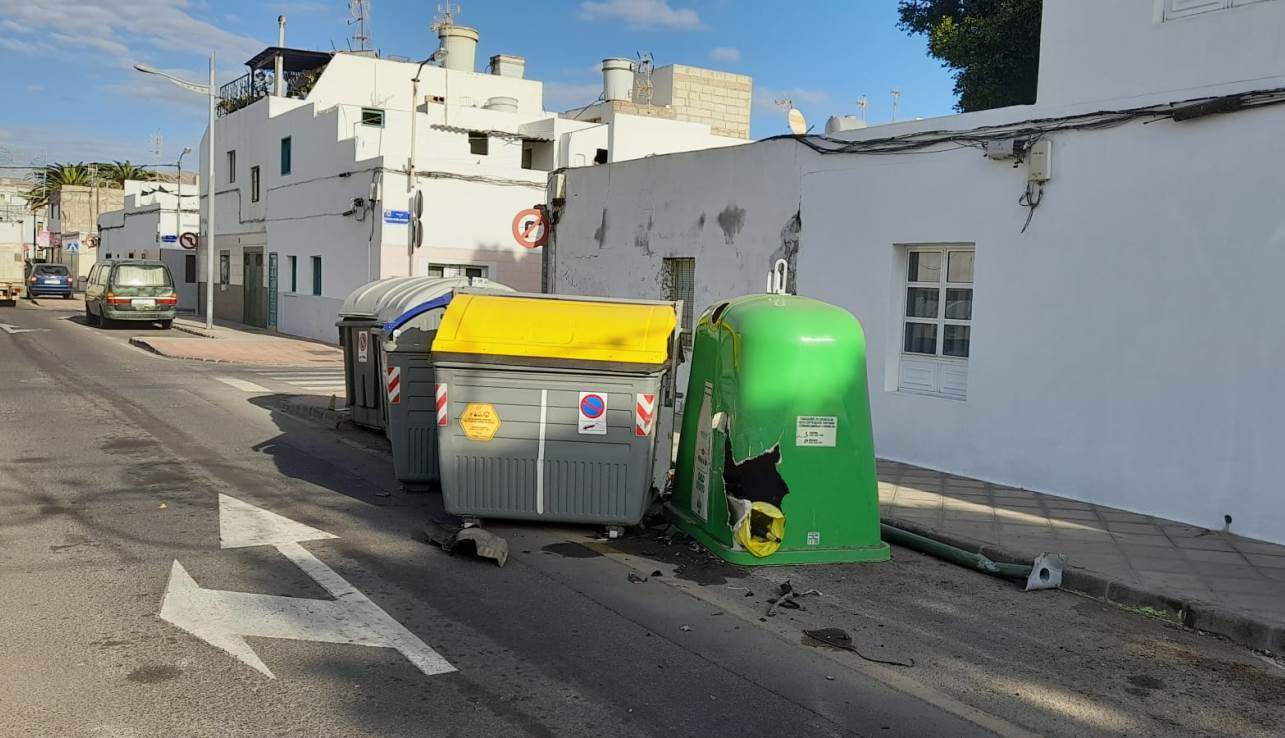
(112, 463)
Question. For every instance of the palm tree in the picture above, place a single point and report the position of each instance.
(115, 173)
(48, 180)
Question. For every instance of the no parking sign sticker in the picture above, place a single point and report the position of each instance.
(593, 414)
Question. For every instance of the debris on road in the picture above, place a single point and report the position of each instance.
(485, 543)
(686, 628)
(788, 598)
(636, 579)
(839, 638)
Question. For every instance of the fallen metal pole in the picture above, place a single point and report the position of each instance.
(941, 550)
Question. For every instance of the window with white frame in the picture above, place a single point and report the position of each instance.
(1175, 9)
(936, 324)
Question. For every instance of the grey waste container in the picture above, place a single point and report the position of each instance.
(361, 319)
(554, 408)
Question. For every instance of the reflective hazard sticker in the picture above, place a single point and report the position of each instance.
(815, 430)
(593, 414)
(644, 414)
(394, 384)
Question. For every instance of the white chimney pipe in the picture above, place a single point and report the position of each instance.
(278, 76)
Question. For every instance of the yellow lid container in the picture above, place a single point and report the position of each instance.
(551, 328)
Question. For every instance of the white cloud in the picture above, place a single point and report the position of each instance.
(725, 54)
(765, 97)
(35, 88)
(567, 95)
(121, 32)
(642, 14)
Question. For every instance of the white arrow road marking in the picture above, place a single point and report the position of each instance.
(12, 329)
(224, 619)
(242, 525)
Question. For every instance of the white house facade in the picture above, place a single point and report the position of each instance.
(1077, 297)
(150, 226)
(313, 188)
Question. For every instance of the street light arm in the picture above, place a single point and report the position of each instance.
(189, 86)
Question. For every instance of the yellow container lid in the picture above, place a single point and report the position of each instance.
(552, 328)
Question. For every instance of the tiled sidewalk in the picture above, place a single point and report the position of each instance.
(1230, 573)
(239, 345)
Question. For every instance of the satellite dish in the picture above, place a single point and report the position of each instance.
(798, 124)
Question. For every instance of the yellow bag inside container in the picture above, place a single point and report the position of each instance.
(762, 531)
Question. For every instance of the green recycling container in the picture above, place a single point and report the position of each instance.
(776, 458)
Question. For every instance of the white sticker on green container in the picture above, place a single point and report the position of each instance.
(815, 430)
(704, 450)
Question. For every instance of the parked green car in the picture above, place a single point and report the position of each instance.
(130, 290)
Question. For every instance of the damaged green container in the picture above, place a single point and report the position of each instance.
(776, 429)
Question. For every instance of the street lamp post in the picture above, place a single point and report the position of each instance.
(210, 91)
(178, 188)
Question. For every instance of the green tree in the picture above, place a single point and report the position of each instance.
(49, 179)
(114, 174)
(993, 46)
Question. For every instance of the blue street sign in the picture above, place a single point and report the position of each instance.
(397, 216)
(71, 246)
(169, 239)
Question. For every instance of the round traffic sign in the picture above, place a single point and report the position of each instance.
(593, 406)
(530, 229)
(188, 240)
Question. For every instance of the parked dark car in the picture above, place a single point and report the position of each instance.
(130, 290)
(49, 279)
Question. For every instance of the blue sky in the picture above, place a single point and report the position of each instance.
(70, 93)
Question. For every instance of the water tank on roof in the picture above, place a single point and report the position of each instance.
(503, 104)
(617, 79)
(841, 123)
(460, 45)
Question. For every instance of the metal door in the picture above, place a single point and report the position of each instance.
(254, 313)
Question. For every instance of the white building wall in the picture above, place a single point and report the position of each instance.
(1123, 350)
(470, 199)
(1094, 51)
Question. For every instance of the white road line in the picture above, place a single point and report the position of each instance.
(243, 385)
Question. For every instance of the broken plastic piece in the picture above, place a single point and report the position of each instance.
(839, 638)
(1046, 572)
(485, 543)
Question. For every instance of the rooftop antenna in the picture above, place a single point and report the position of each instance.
(863, 102)
(643, 88)
(896, 97)
(360, 11)
(446, 15)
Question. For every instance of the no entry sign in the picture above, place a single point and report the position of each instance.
(530, 229)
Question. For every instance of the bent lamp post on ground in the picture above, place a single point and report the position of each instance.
(209, 91)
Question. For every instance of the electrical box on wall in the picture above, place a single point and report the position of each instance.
(1039, 162)
(1003, 148)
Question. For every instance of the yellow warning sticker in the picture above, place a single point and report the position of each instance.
(479, 421)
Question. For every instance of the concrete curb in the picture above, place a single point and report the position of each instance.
(1245, 629)
(190, 330)
(324, 416)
